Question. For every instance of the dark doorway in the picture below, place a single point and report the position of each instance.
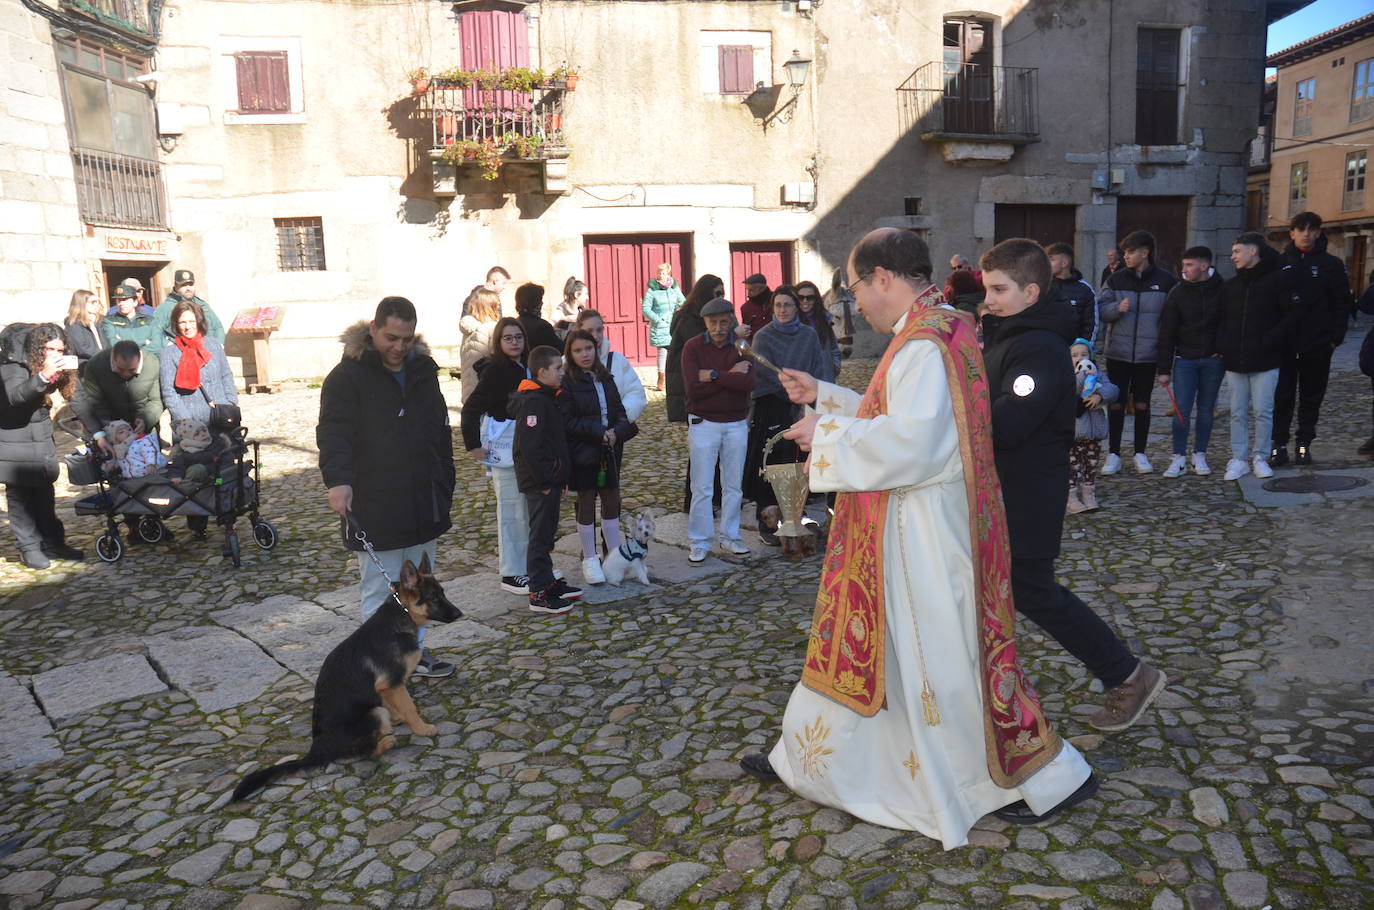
(618, 271)
(1166, 217)
(968, 103)
(145, 272)
(772, 259)
(1045, 224)
(1356, 264)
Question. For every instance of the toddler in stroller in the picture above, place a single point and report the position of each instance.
(134, 455)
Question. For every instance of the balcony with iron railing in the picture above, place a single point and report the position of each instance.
(480, 131)
(979, 113)
(119, 190)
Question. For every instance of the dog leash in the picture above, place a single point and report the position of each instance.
(361, 536)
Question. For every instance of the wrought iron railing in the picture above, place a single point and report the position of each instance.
(119, 190)
(131, 14)
(499, 116)
(968, 99)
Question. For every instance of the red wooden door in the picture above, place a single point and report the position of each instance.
(618, 269)
(772, 259)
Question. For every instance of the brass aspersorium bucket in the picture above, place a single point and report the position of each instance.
(790, 487)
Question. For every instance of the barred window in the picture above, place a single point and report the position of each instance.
(300, 244)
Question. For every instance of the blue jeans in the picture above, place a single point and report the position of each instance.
(1198, 380)
(1252, 393)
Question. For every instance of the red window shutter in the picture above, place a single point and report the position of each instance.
(263, 85)
(736, 69)
(492, 39)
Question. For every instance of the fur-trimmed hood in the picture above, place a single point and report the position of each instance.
(357, 340)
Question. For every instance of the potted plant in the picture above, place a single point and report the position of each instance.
(563, 78)
(419, 80)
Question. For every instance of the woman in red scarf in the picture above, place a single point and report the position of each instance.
(194, 373)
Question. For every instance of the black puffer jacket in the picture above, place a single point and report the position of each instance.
(27, 454)
(1188, 325)
(1080, 295)
(392, 444)
(496, 381)
(585, 427)
(1259, 316)
(1034, 398)
(541, 437)
(1324, 296)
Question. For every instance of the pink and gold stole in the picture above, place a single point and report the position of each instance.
(845, 655)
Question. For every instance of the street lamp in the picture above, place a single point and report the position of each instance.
(796, 68)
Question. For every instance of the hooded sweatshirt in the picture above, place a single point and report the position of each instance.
(1034, 401)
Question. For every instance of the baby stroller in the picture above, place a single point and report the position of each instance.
(229, 491)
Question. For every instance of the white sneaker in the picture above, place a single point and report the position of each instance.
(1142, 464)
(1236, 468)
(1262, 469)
(1200, 464)
(1112, 465)
(697, 553)
(591, 571)
(733, 547)
(1177, 465)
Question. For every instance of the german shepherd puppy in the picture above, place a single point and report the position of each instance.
(361, 691)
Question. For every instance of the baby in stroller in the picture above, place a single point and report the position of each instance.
(195, 451)
(132, 454)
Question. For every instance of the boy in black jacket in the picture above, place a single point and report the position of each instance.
(542, 469)
(1031, 379)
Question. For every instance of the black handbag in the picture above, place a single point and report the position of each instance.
(224, 418)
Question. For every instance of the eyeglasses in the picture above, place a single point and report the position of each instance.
(862, 279)
(512, 337)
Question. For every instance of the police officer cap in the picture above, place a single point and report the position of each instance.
(183, 276)
(124, 292)
(717, 307)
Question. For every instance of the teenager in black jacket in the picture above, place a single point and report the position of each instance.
(1188, 357)
(597, 426)
(489, 437)
(1258, 318)
(1324, 300)
(1031, 381)
(1069, 285)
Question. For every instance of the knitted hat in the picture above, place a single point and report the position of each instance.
(188, 429)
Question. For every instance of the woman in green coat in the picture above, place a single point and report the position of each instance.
(661, 300)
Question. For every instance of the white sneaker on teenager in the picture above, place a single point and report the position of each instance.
(1200, 467)
(1112, 465)
(1177, 465)
(591, 571)
(1236, 468)
(1142, 464)
(1262, 469)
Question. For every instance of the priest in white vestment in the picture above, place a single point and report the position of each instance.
(936, 727)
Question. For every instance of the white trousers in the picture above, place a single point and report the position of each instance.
(711, 442)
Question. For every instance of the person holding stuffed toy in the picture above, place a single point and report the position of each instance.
(1094, 390)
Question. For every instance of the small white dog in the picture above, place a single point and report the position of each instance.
(629, 556)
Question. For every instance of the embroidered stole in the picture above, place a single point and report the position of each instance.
(845, 654)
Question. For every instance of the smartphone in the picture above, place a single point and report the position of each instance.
(68, 362)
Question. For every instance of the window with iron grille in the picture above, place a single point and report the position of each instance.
(1362, 91)
(1297, 188)
(1356, 163)
(263, 83)
(300, 244)
(1303, 97)
(736, 69)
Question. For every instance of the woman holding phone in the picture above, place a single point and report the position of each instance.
(34, 363)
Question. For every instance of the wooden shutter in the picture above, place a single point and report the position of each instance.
(736, 69)
(1156, 92)
(264, 87)
(493, 40)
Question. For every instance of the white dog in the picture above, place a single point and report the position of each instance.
(629, 556)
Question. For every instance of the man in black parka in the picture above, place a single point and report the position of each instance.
(1325, 301)
(386, 451)
(1034, 401)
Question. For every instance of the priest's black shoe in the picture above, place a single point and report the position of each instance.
(758, 766)
(1304, 456)
(1278, 456)
(1018, 813)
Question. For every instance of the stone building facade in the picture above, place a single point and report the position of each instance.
(302, 170)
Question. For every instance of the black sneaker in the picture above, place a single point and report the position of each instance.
(515, 584)
(429, 668)
(1304, 456)
(62, 551)
(1278, 456)
(561, 588)
(548, 602)
(34, 559)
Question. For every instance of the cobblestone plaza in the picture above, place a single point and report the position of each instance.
(590, 760)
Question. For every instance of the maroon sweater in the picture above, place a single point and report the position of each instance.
(727, 398)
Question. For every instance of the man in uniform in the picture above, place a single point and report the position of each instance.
(184, 288)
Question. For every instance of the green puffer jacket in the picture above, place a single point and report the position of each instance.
(659, 304)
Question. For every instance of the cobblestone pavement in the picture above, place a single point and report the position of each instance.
(588, 760)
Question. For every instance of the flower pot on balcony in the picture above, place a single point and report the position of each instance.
(419, 86)
(448, 128)
(572, 81)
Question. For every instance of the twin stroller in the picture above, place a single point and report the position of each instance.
(228, 491)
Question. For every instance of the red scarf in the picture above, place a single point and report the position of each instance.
(193, 357)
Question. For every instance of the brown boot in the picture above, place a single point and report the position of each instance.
(659, 387)
(1129, 700)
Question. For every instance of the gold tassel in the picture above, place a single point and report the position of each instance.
(928, 702)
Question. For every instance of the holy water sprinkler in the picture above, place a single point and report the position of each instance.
(747, 351)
